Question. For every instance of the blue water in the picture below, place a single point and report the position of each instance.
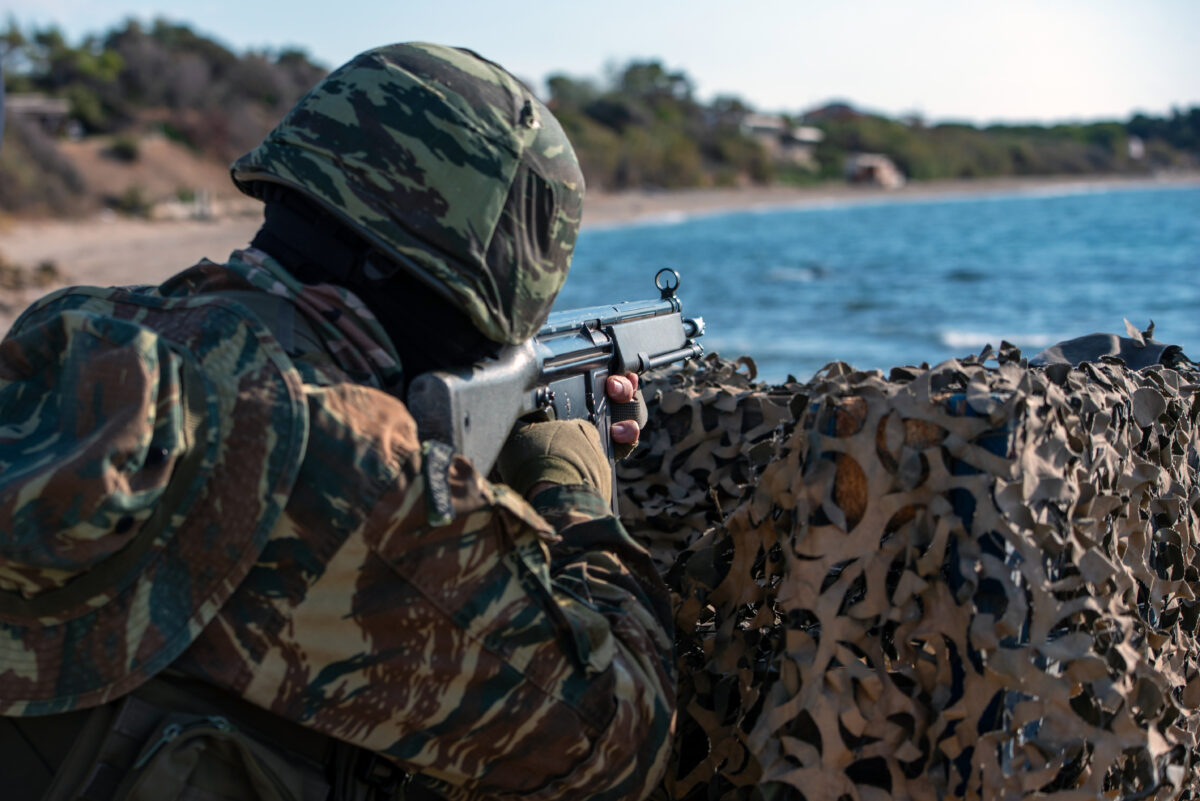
(904, 282)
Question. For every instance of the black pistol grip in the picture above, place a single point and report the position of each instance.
(634, 410)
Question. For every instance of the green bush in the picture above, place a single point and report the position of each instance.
(173, 133)
(133, 202)
(125, 148)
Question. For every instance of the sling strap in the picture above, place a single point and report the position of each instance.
(290, 328)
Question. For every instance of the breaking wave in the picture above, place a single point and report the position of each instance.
(977, 339)
(801, 275)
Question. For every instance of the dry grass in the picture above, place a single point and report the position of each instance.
(161, 170)
(14, 277)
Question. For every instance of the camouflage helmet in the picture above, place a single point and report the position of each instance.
(446, 164)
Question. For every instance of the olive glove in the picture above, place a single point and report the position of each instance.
(558, 452)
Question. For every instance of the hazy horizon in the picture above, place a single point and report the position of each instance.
(1021, 62)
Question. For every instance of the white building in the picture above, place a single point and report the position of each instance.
(51, 114)
(874, 169)
(782, 141)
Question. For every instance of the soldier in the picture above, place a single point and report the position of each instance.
(228, 564)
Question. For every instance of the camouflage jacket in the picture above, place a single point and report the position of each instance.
(405, 604)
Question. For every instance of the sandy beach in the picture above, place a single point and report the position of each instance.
(108, 250)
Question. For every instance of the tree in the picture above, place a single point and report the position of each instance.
(651, 81)
(568, 92)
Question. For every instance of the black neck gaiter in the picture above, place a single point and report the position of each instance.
(428, 332)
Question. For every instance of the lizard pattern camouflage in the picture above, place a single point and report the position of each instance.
(449, 166)
(967, 581)
(130, 437)
(486, 652)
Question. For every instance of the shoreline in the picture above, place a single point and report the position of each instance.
(106, 250)
(608, 210)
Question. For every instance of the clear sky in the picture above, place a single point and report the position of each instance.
(971, 60)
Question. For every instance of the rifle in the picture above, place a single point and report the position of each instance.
(561, 372)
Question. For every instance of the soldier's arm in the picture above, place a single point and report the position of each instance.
(407, 605)
(566, 687)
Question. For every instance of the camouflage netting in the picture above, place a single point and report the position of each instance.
(969, 581)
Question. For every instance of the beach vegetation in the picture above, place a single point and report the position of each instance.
(640, 126)
(125, 148)
(131, 202)
(35, 178)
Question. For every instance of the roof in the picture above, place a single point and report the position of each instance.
(36, 104)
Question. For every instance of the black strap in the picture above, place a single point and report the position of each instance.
(85, 736)
(32, 749)
(88, 754)
(291, 329)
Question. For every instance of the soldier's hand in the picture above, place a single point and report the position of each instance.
(538, 455)
(623, 389)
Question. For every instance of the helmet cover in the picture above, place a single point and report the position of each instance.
(449, 166)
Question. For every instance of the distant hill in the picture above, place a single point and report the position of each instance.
(127, 90)
(99, 114)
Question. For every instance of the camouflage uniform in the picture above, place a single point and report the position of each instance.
(186, 484)
(486, 651)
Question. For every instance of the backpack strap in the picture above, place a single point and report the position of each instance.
(34, 748)
(179, 738)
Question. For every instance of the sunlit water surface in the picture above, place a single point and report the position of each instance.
(884, 284)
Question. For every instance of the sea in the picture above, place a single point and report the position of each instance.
(909, 281)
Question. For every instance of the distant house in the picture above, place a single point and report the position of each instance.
(782, 141)
(874, 169)
(51, 114)
(1137, 148)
